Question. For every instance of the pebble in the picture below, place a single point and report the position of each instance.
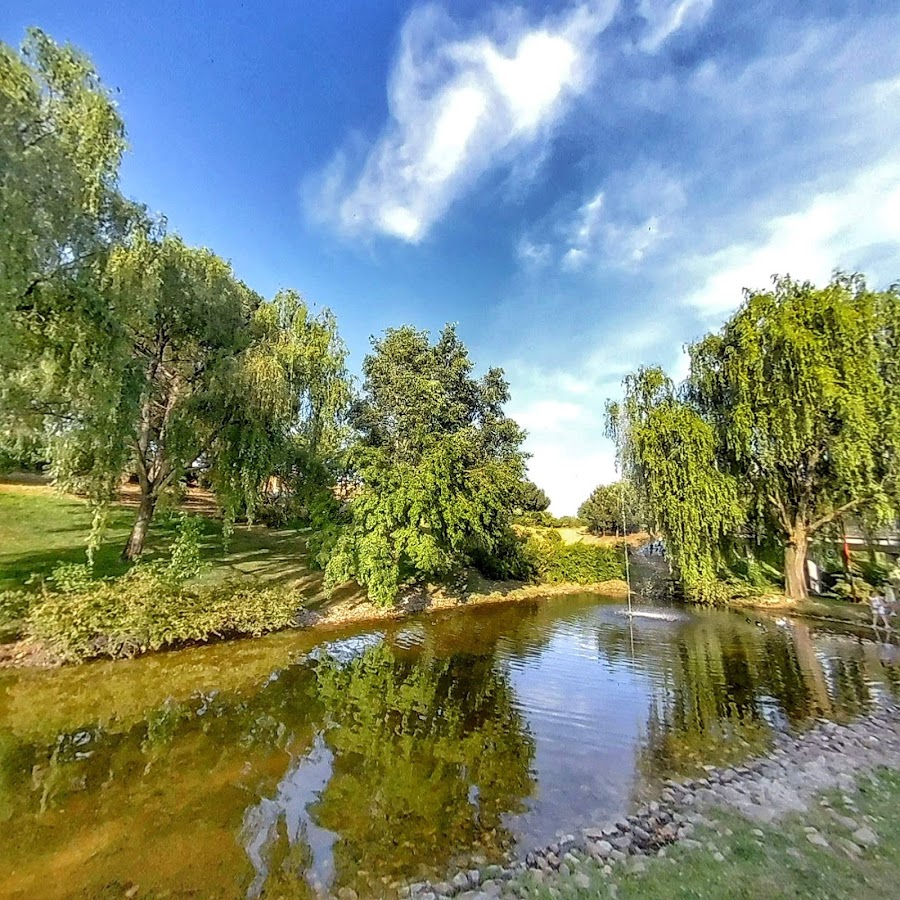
(582, 880)
(718, 857)
(815, 838)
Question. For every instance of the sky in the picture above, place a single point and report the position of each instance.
(582, 187)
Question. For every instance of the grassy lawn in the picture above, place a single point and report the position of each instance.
(764, 861)
(40, 528)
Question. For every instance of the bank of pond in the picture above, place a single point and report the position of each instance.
(368, 757)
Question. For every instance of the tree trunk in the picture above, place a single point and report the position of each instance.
(135, 546)
(795, 551)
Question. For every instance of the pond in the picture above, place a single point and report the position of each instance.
(297, 764)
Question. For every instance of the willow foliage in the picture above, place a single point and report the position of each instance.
(801, 387)
(668, 452)
(61, 141)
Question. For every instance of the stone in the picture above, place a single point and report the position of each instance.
(347, 893)
(865, 836)
(474, 877)
(460, 881)
(718, 857)
(817, 839)
(537, 875)
(601, 850)
(443, 887)
(607, 870)
(564, 870)
(691, 844)
(623, 842)
(582, 881)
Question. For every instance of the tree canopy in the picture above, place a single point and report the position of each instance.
(788, 420)
(532, 498)
(61, 142)
(802, 390)
(438, 462)
(610, 508)
(668, 452)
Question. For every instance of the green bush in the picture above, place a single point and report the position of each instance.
(143, 610)
(710, 593)
(71, 578)
(508, 561)
(14, 607)
(556, 562)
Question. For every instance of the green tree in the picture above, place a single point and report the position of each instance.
(532, 498)
(610, 508)
(61, 141)
(185, 363)
(801, 387)
(669, 453)
(437, 460)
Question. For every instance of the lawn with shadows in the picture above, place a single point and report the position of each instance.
(41, 528)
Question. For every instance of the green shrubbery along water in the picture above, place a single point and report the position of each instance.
(555, 562)
(144, 610)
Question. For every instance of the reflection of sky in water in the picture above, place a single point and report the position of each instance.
(570, 690)
(570, 694)
(299, 788)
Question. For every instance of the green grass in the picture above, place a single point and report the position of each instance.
(39, 529)
(779, 862)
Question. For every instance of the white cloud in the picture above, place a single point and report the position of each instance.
(533, 254)
(625, 220)
(459, 106)
(848, 227)
(665, 17)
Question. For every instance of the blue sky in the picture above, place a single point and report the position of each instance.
(583, 187)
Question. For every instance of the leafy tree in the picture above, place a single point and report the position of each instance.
(801, 387)
(186, 364)
(668, 452)
(438, 463)
(61, 141)
(532, 498)
(610, 508)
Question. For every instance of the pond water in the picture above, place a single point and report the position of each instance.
(293, 765)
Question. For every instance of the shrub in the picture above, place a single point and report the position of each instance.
(509, 560)
(556, 562)
(143, 610)
(70, 578)
(709, 593)
(14, 607)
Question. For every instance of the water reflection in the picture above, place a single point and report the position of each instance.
(282, 768)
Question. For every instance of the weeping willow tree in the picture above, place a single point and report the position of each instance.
(790, 419)
(668, 453)
(802, 390)
(61, 212)
(187, 365)
(61, 141)
(286, 420)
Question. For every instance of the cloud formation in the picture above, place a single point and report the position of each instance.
(845, 228)
(459, 106)
(625, 220)
(664, 17)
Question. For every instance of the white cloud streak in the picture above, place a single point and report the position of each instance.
(459, 106)
(665, 17)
